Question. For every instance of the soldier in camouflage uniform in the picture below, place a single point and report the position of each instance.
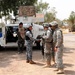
(29, 43)
(58, 47)
(21, 38)
(52, 45)
(47, 46)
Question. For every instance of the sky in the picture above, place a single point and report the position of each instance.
(63, 7)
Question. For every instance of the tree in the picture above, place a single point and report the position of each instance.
(71, 20)
(49, 17)
(7, 6)
(53, 11)
(72, 17)
(42, 7)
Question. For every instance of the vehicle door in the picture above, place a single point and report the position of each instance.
(2, 35)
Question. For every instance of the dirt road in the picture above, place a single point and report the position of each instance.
(12, 63)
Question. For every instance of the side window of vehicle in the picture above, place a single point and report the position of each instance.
(0, 32)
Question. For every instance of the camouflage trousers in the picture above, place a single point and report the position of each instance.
(20, 46)
(53, 52)
(58, 57)
(29, 50)
(47, 51)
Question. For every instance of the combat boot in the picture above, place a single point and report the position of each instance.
(61, 71)
(27, 61)
(48, 64)
(31, 62)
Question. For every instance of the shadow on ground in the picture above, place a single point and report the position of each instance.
(7, 55)
(68, 65)
(69, 72)
(68, 50)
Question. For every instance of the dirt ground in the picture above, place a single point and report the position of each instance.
(12, 63)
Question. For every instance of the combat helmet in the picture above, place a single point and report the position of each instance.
(45, 25)
(54, 23)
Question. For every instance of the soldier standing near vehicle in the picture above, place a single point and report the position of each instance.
(58, 47)
(21, 38)
(47, 46)
(52, 45)
(29, 44)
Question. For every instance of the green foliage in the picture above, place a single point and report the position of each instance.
(72, 20)
(72, 17)
(49, 17)
(7, 6)
(42, 7)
